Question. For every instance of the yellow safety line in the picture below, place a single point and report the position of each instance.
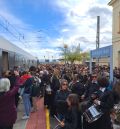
(47, 119)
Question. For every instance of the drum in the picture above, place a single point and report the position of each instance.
(92, 114)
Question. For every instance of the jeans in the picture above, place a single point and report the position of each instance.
(27, 104)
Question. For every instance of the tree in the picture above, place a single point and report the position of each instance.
(85, 56)
(71, 57)
(72, 54)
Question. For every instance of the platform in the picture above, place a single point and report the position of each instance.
(37, 120)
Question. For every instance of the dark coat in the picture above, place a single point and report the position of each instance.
(72, 119)
(8, 113)
(60, 100)
(90, 89)
(78, 88)
(62, 95)
(55, 84)
(104, 122)
(45, 81)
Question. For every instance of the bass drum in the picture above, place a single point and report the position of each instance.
(92, 114)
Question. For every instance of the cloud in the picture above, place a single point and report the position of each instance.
(65, 30)
(81, 20)
(19, 33)
(78, 26)
(104, 13)
(96, 10)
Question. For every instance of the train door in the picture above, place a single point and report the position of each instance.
(5, 63)
(11, 60)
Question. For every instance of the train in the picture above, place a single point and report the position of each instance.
(11, 56)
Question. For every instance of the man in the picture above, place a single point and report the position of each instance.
(104, 101)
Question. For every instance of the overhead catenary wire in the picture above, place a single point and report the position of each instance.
(13, 31)
(8, 27)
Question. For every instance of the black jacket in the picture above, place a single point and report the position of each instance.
(78, 88)
(72, 119)
(55, 84)
(104, 122)
(90, 89)
(62, 95)
(60, 100)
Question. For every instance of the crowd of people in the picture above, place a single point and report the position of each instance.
(79, 100)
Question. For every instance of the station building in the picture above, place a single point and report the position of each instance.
(116, 32)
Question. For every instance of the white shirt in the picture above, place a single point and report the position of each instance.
(102, 89)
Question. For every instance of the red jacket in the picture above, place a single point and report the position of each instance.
(24, 78)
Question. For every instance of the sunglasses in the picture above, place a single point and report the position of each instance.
(65, 84)
(94, 76)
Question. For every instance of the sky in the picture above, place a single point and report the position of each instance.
(42, 26)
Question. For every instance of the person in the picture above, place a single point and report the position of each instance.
(78, 87)
(35, 92)
(104, 101)
(73, 116)
(60, 98)
(46, 86)
(90, 87)
(8, 113)
(26, 97)
(12, 77)
(115, 112)
(55, 85)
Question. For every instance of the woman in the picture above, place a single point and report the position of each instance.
(12, 77)
(8, 114)
(73, 116)
(60, 99)
(55, 85)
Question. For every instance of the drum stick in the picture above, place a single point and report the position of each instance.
(57, 118)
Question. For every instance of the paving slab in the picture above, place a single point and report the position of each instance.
(20, 124)
(37, 119)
